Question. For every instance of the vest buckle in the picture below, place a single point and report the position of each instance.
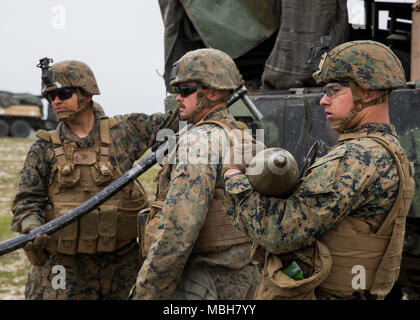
(66, 169)
(104, 170)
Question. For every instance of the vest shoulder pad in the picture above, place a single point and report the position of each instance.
(113, 122)
(241, 125)
(43, 135)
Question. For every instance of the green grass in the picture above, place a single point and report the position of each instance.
(13, 272)
(146, 179)
(13, 266)
(5, 232)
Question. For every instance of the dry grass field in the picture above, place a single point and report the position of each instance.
(14, 266)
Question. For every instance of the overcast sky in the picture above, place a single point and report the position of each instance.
(122, 42)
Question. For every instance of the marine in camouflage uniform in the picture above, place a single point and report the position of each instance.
(193, 251)
(91, 272)
(34, 289)
(350, 208)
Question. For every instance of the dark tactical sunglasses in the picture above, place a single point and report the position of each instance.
(62, 94)
(185, 91)
(332, 88)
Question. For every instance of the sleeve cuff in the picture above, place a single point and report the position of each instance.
(30, 221)
(237, 183)
(231, 175)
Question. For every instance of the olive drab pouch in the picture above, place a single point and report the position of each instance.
(67, 237)
(69, 179)
(99, 178)
(88, 233)
(127, 220)
(104, 170)
(141, 222)
(107, 228)
(257, 253)
(315, 262)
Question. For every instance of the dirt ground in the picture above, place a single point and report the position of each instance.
(14, 266)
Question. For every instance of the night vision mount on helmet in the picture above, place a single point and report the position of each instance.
(48, 75)
(65, 74)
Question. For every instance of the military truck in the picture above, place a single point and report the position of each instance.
(271, 41)
(21, 112)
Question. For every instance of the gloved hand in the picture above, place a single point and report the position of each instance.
(243, 148)
(35, 250)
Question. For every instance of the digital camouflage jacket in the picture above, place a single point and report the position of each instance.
(183, 215)
(350, 180)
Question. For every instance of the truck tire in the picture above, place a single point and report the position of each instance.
(20, 129)
(4, 128)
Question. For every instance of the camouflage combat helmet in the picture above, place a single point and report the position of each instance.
(365, 64)
(72, 73)
(211, 67)
(371, 65)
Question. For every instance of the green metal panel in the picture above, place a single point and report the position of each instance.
(234, 26)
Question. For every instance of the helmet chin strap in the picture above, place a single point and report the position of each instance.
(204, 103)
(357, 100)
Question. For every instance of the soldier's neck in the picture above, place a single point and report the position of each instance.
(83, 123)
(377, 113)
(208, 111)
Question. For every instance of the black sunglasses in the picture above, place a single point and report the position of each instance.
(62, 94)
(185, 91)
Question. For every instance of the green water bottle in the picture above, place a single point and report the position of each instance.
(294, 271)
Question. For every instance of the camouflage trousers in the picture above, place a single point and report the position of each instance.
(218, 283)
(102, 276)
(34, 289)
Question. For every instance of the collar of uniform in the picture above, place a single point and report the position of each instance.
(374, 127)
(220, 113)
(87, 142)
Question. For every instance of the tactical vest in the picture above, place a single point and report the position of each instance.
(352, 246)
(81, 174)
(217, 233)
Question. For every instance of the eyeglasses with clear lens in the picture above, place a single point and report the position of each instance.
(62, 94)
(331, 89)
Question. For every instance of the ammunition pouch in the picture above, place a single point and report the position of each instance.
(315, 262)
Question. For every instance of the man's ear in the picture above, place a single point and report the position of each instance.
(369, 95)
(85, 95)
(213, 94)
